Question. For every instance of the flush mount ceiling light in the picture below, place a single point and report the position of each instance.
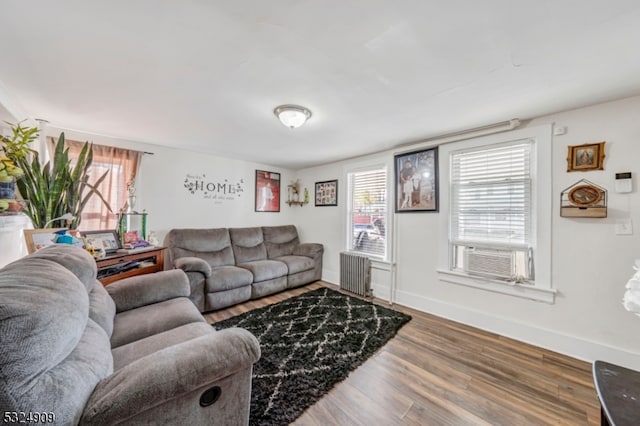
(292, 116)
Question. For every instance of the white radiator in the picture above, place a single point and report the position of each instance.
(355, 273)
(499, 263)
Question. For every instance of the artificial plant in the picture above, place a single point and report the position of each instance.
(14, 148)
(57, 187)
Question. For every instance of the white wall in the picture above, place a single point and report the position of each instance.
(590, 264)
(161, 190)
(174, 206)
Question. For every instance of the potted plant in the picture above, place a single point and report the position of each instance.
(58, 187)
(13, 149)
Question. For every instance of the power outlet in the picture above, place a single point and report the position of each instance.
(624, 227)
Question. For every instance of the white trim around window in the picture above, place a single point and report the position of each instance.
(368, 211)
(541, 289)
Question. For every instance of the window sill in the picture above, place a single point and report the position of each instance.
(538, 294)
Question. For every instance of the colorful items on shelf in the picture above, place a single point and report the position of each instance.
(8, 202)
(63, 237)
(126, 224)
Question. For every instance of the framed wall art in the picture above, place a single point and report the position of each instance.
(267, 191)
(40, 238)
(582, 158)
(327, 193)
(416, 181)
(107, 239)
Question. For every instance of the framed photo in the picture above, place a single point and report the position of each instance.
(267, 191)
(327, 193)
(586, 157)
(40, 238)
(107, 239)
(416, 181)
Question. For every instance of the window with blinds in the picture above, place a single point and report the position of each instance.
(368, 212)
(491, 211)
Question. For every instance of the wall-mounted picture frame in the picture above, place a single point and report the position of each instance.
(105, 238)
(327, 193)
(40, 238)
(267, 191)
(582, 158)
(416, 181)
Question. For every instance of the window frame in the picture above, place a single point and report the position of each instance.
(522, 246)
(349, 238)
(541, 289)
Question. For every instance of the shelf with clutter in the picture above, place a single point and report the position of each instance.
(132, 225)
(294, 196)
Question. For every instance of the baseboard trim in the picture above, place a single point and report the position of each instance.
(572, 346)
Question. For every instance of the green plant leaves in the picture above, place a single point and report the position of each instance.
(57, 187)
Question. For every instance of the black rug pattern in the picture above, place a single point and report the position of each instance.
(309, 343)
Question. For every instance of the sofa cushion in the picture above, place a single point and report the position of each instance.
(210, 245)
(222, 299)
(102, 309)
(227, 278)
(126, 354)
(148, 320)
(248, 244)
(263, 270)
(280, 240)
(297, 264)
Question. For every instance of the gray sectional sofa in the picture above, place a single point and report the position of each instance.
(227, 266)
(137, 352)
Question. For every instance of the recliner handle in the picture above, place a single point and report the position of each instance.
(210, 396)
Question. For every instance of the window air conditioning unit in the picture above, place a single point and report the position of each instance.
(490, 262)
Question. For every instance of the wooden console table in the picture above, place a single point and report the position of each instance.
(132, 264)
(619, 393)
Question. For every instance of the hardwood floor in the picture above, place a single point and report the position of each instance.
(439, 372)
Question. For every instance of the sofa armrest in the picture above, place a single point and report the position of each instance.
(171, 373)
(193, 264)
(308, 249)
(141, 290)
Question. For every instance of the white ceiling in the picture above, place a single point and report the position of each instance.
(206, 75)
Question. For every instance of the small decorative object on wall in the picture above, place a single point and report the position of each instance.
(267, 191)
(416, 181)
(582, 158)
(294, 195)
(106, 239)
(583, 199)
(327, 193)
(40, 238)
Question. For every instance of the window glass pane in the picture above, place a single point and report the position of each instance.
(491, 228)
(491, 195)
(368, 212)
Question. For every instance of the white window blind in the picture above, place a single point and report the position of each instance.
(491, 219)
(368, 212)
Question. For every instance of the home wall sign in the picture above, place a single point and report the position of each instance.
(583, 199)
(219, 190)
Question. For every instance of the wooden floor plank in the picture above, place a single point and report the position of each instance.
(439, 372)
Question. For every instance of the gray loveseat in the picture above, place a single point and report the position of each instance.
(226, 266)
(137, 352)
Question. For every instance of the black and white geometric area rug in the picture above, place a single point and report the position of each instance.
(309, 343)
